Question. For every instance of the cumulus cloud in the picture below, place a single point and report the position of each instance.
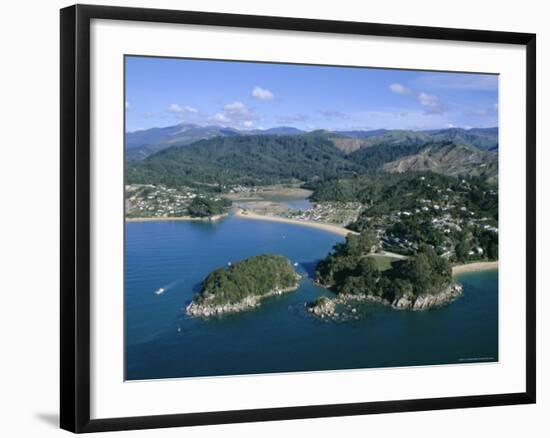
(182, 110)
(236, 109)
(220, 117)
(399, 89)
(431, 103)
(262, 93)
(236, 114)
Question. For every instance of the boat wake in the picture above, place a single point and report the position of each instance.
(163, 289)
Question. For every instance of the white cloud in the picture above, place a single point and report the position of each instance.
(127, 105)
(236, 108)
(181, 110)
(399, 89)
(220, 117)
(262, 93)
(431, 103)
(236, 114)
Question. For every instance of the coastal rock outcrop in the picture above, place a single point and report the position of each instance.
(323, 307)
(207, 308)
(342, 305)
(423, 302)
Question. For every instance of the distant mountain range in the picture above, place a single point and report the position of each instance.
(141, 144)
(228, 156)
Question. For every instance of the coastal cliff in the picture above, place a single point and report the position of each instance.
(344, 306)
(423, 302)
(243, 285)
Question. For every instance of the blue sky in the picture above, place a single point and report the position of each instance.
(167, 91)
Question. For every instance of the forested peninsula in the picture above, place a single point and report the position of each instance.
(419, 282)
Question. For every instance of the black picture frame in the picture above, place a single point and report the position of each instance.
(75, 217)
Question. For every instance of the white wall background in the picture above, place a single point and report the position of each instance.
(29, 205)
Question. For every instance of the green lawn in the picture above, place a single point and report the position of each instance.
(383, 262)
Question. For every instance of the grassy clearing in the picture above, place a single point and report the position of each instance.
(382, 261)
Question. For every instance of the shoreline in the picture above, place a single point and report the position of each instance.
(325, 307)
(475, 267)
(207, 310)
(214, 218)
(319, 225)
(331, 228)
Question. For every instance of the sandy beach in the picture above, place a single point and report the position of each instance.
(322, 226)
(473, 267)
(177, 218)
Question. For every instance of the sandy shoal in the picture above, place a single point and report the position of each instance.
(319, 225)
(474, 267)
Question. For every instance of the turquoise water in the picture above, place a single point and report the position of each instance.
(280, 336)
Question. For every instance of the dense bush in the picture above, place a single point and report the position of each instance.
(205, 207)
(252, 159)
(257, 275)
(350, 270)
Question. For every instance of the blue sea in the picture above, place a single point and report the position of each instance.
(280, 336)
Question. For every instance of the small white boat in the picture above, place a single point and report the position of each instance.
(159, 291)
(228, 263)
(295, 263)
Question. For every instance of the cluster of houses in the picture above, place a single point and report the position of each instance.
(339, 213)
(148, 200)
(242, 189)
(443, 214)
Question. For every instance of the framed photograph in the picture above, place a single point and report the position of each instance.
(269, 218)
